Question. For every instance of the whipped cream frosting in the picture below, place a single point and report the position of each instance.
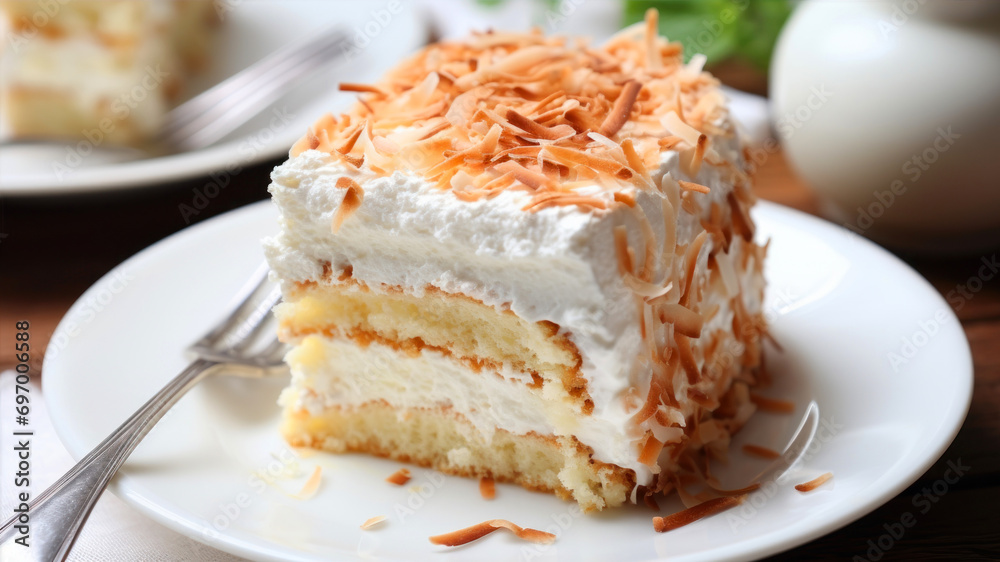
(558, 264)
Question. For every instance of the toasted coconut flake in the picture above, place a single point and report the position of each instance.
(446, 166)
(685, 320)
(312, 485)
(814, 483)
(566, 200)
(325, 123)
(772, 405)
(303, 144)
(487, 488)
(669, 416)
(691, 259)
(649, 243)
(350, 203)
(573, 156)
(670, 231)
(650, 450)
(742, 222)
(518, 153)
(761, 452)
(496, 118)
(530, 178)
(622, 108)
(633, 158)
(702, 399)
(692, 514)
(489, 143)
(673, 123)
(644, 288)
(371, 522)
(312, 139)
(518, 61)
(687, 358)
(400, 477)
(464, 106)
(352, 137)
(653, 57)
(371, 152)
(608, 143)
(650, 501)
(544, 102)
(623, 250)
(727, 271)
(697, 63)
(475, 532)
(385, 145)
(469, 196)
(671, 190)
(652, 403)
(558, 113)
(499, 182)
(692, 158)
(624, 198)
(666, 143)
(353, 87)
(691, 186)
(422, 92)
(440, 127)
(581, 120)
(740, 492)
(536, 129)
(355, 161)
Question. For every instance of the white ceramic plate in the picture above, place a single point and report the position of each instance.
(839, 305)
(251, 29)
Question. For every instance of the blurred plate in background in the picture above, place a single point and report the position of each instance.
(250, 30)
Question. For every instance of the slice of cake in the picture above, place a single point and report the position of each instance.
(100, 71)
(524, 258)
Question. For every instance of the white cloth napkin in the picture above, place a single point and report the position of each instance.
(115, 532)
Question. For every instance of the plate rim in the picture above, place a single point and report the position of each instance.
(757, 547)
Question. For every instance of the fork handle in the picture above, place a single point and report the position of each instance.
(58, 514)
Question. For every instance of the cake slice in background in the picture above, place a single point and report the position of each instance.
(524, 258)
(101, 71)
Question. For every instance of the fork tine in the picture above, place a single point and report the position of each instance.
(204, 122)
(247, 331)
(241, 304)
(260, 71)
(222, 119)
(257, 77)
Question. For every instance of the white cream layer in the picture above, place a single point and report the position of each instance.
(558, 264)
(337, 372)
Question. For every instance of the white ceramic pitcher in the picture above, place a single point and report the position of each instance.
(891, 112)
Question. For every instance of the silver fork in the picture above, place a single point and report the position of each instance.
(237, 346)
(218, 111)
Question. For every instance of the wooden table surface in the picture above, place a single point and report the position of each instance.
(54, 249)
